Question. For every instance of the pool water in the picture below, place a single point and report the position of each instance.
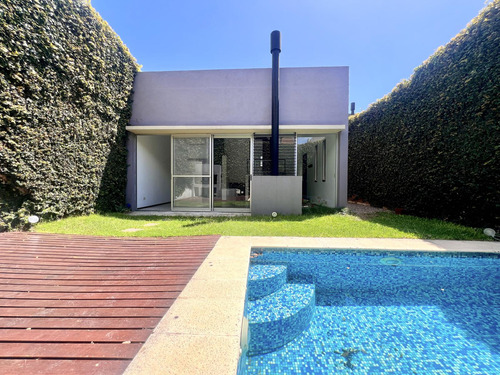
(386, 312)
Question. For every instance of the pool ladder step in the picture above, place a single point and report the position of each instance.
(264, 280)
(276, 318)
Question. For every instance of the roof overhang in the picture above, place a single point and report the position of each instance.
(232, 129)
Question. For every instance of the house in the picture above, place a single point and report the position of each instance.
(201, 140)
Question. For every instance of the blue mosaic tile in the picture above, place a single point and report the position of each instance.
(414, 313)
(265, 279)
(278, 318)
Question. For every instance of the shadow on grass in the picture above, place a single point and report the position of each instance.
(308, 213)
(196, 224)
(426, 228)
(413, 226)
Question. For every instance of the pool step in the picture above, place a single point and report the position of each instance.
(265, 279)
(278, 318)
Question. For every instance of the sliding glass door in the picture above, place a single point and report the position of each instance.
(191, 173)
(231, 173)
(211, 173)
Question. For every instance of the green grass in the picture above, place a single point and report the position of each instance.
(316, 222)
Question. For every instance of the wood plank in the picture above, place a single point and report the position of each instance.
(65, 350)
(91, 289)
(65, 367)
(103, 273)
(74, 335)
(46, 268)
(96, 303)
(81, 312)
(120, 249)
(180, 259)
(52, 282)
(69, 295)
(93, 277)
(7, 263)
(79, 323)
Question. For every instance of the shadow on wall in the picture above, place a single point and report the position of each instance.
(111, 196)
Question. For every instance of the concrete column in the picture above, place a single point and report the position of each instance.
(343, 139)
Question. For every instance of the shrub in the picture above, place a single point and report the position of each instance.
(432, 146)
(65, 86)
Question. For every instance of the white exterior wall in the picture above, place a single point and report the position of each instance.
(324, 192)
(153, 170)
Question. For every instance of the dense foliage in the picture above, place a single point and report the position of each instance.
(432, 146)
(65, 85)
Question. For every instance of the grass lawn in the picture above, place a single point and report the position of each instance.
(314, 223)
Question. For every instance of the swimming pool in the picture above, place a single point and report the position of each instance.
(372, 312)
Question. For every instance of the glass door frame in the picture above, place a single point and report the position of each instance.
(239, 136)
(173, 175)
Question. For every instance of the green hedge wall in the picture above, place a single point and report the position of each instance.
(65, 86)
(432, 146)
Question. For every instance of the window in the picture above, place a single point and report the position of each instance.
(287, 165)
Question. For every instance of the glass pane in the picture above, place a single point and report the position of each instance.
(262, 155)
(191, 192)
(231, 173)
(191, 156)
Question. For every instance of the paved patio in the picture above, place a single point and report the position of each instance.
(85, 305)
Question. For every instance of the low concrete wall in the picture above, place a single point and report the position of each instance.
(281, 194)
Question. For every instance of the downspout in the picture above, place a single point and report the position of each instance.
(275, 51)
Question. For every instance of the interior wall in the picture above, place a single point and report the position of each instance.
(153, 170)
(319, 191)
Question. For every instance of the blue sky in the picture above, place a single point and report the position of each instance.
(382, 41)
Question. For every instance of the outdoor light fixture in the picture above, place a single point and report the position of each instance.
(33, 219)
(491, 232)
(274, 214)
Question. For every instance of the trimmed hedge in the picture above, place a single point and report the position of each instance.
(432, 146)
(65, 87)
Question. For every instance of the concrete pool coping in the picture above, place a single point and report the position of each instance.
(200, 333)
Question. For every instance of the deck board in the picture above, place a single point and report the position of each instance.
(85, 305)
(66, 367)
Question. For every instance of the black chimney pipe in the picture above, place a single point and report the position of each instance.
(275, 121)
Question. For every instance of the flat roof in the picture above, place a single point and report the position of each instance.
(233, 129)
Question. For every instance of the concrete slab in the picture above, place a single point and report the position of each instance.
(202, 316)
(214, 289)
(171, 354)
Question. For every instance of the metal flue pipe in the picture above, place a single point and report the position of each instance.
(275, 112)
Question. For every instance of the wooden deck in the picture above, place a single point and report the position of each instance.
(85, 305)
